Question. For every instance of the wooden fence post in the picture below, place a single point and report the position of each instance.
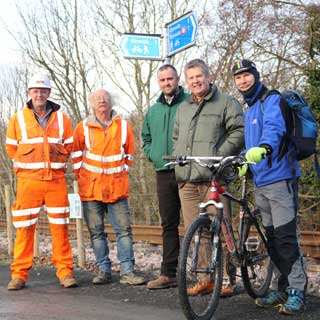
(36, 251)
(80, 241)
(10, 233)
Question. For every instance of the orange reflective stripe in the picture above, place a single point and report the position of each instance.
(11, 141)
(69, 140)
(24, 212)
(56, 210)
(77, 165)
(25, 223)
(60, 124)
(58, 220)
(76, 154)
(97, 157)
(98, 170)
(39, 165)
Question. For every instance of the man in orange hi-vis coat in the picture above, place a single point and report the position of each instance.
(102, 154)
(39, 141)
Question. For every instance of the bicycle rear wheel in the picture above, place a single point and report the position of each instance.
(200, 262)
(258, 269)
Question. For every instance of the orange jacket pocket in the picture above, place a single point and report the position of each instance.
(86, 185)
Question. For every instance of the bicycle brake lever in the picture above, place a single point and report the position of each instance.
(169, 163)
(180, 163)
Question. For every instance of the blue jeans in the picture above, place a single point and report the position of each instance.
(119, 218)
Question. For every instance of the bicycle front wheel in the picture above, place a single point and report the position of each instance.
(200, 271)
(258, 268)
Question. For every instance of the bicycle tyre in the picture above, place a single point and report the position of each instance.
(258, 269)
(202, 306)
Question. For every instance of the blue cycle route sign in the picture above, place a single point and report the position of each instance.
(181, 33)
(141, 46)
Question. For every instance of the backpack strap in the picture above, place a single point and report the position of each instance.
(265, 95)
(288, 119)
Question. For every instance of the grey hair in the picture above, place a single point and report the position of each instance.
(108, 95)
(197, 63)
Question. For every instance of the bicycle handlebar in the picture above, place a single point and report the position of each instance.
(191, 158)
(215, 164)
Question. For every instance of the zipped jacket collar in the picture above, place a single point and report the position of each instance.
(179, 97)
(210, 96)
(50, 104)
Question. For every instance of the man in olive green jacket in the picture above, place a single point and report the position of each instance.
(208, 123)
(157, 141)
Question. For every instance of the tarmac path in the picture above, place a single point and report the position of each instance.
(44, 298)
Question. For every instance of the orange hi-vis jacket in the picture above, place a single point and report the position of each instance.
(101, 159)
(37, 153)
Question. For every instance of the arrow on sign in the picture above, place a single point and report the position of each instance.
(141, 46)
(181, 33)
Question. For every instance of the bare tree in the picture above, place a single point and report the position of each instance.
(12, 98)
(53, 38)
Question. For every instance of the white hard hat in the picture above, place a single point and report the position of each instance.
(39, 81)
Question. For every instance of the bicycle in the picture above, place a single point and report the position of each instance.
(201, 251)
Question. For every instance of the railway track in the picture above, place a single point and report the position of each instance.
(310, 240)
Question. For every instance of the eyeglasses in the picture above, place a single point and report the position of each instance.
(100, 98)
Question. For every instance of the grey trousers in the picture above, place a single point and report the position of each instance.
(278, 205)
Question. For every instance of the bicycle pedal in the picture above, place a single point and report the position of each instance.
(252, 244)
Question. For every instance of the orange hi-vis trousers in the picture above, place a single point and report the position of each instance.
(31, 196)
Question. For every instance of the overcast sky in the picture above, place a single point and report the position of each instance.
(8, 17)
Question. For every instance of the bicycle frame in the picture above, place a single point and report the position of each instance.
(222, 224)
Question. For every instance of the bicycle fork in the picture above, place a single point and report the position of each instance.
(221, 222)
(218, 226)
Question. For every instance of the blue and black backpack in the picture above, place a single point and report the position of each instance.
(301, 125)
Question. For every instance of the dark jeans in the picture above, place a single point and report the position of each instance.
(169, 206)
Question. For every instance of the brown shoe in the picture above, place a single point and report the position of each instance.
(227, 291)
(16, 284)
(68, 282)
(132, 279)
(162, 282)
(102, 278)
(201, 288)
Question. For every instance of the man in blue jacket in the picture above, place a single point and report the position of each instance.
(275, 186)
(157, 141)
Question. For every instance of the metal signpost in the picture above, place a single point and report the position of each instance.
(181, 33)
(141, 46)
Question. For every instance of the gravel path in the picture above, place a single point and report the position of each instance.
(147, 258)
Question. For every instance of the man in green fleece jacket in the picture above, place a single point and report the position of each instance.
(207, 123)
(157, 141)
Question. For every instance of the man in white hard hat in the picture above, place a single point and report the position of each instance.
(39, 141)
